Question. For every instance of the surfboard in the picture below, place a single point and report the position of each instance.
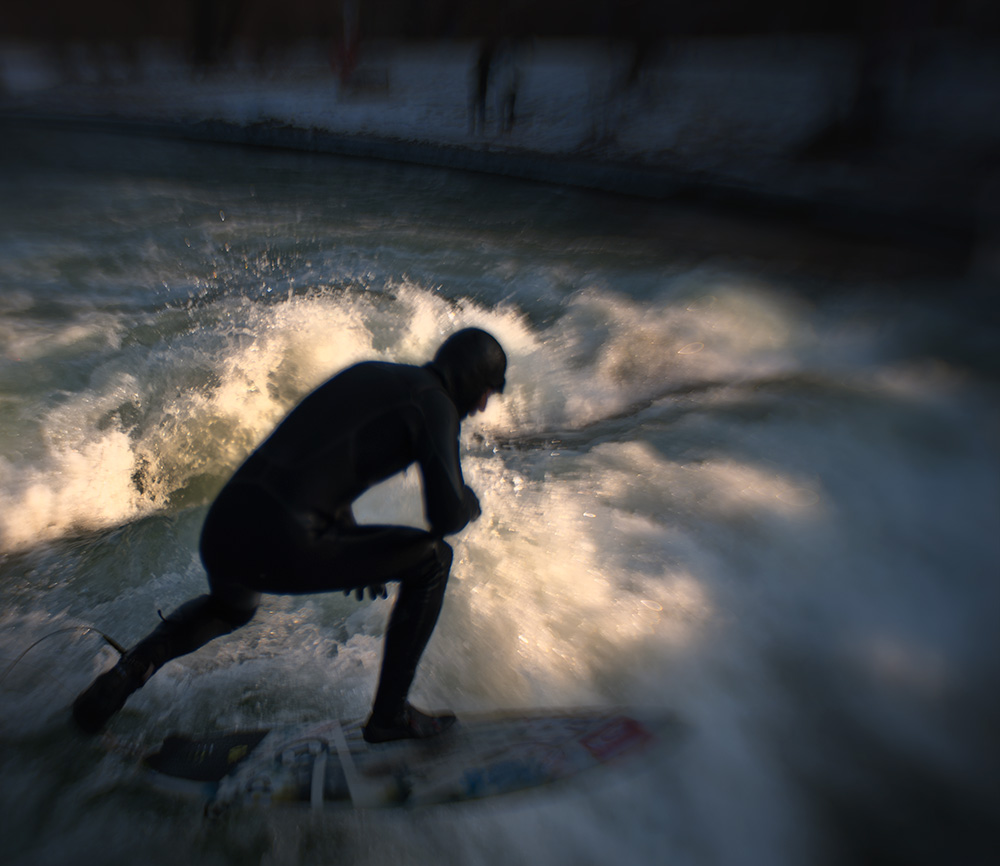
(329, 765)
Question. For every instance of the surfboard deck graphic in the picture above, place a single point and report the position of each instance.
(328, 764)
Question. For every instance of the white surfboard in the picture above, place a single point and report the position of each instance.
(328, 764)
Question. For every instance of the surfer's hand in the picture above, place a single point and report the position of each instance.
(472, 503)
(375, 590)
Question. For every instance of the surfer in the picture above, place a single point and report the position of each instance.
(283, 523)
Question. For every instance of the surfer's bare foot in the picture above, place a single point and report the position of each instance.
(108, 693)
(410, 724)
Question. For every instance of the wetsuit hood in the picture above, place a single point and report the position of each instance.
(470, 361)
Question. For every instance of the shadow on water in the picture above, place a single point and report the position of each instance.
(881, 795)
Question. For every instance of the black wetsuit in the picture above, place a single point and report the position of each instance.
(283, 523)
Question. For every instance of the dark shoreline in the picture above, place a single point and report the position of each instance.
(901, 205)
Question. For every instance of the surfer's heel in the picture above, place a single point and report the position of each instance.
(410, 724)
(108, 693)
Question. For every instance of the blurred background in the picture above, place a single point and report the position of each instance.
(850, 112)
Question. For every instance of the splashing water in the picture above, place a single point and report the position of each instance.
(759, 492)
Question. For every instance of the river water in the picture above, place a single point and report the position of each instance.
(743, 471)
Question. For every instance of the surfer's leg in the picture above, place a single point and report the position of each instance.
(108, 693)
(411, 624)
(193, 625)
(349, 557)
(418, 604)
(189, 627)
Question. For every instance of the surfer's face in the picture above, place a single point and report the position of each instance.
(481, 405)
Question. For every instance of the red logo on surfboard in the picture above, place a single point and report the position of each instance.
(617, 736)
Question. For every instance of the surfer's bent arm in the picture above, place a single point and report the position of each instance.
(449, 502)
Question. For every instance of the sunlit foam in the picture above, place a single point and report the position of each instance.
(193, 405)
(557, 587)
(615, 351)
(157, 418)
(84, 486)
(24, 340)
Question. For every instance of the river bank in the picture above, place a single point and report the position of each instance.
(750, 122)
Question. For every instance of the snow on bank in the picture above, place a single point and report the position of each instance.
(694, 101)
(733, 113)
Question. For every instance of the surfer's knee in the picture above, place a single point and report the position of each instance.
(231, 602)
(443, 555)
(432, 569)
(235, 615)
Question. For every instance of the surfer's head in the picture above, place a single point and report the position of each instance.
(473, 365)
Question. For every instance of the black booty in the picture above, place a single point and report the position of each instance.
(108, 693)
(409, 724)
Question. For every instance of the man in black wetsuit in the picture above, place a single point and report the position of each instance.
(283, 523)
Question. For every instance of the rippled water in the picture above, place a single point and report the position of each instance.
(742, 471)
